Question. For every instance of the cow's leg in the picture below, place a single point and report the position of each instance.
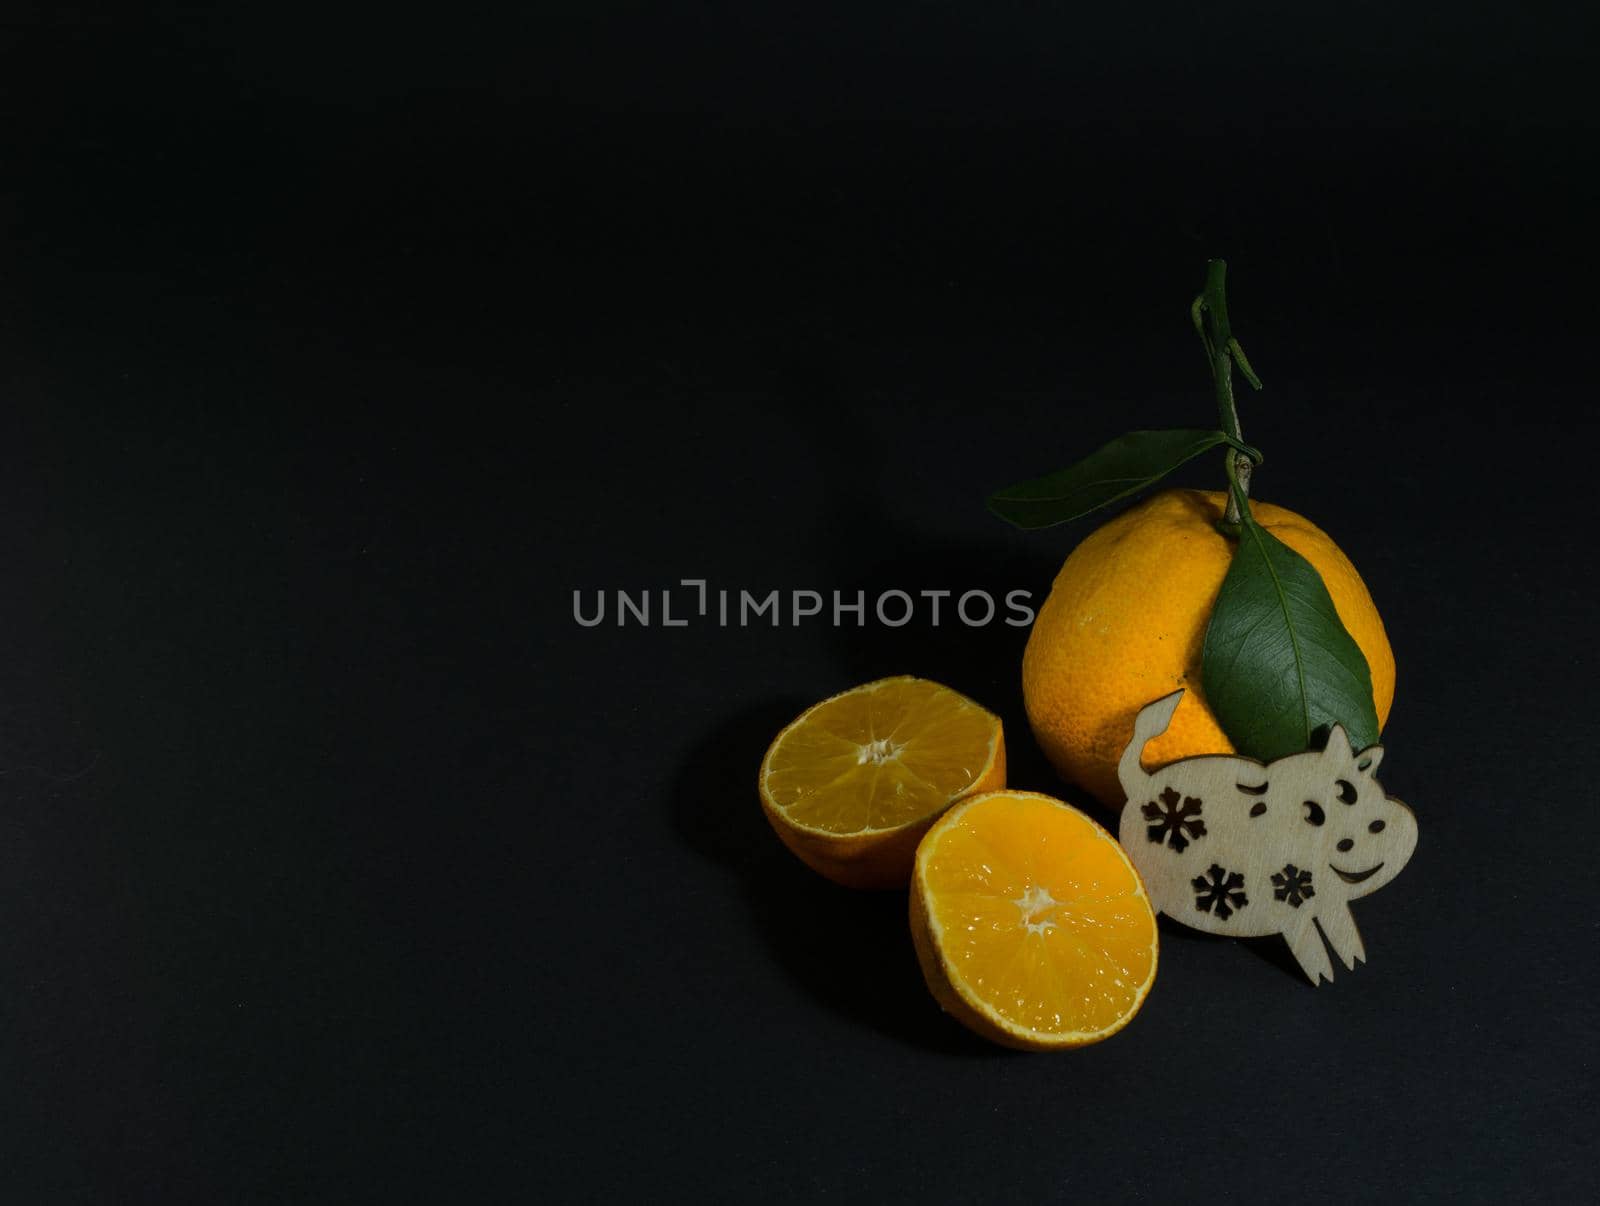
(1340, 927)
(1306, 943)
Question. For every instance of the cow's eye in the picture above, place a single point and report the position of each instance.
(1347, 792)
(1314, 814)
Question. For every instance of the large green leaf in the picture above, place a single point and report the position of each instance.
(1122, 467)
(1278, 663)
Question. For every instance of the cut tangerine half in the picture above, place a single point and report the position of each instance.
(855, 781)
(1032, 927)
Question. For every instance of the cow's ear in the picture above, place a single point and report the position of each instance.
(1338, 747)
(1367, 760)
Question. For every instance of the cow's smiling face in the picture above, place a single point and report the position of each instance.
(1346, 824)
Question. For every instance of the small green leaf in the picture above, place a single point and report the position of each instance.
(1243, 362)
(1116, 470)
(1278, 664)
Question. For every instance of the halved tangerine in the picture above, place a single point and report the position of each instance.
(854, 782)
(1031, 924)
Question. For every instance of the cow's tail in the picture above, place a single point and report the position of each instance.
(1151, 722)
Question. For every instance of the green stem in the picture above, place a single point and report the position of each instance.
(1238, 494)
(1210, 314)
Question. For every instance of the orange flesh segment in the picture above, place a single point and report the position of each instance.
(1039, 914)
(879, 757)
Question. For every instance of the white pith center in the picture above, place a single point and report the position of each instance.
(1032, 905)
(877, 752)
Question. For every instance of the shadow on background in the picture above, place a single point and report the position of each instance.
(1272, 949)
(860, 545)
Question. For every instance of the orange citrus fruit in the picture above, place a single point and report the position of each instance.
(1125, 622)
(854, 782)
(1032, 927)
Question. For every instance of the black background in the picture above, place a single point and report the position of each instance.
(337, 862)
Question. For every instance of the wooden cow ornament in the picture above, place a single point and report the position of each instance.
(1230, 845)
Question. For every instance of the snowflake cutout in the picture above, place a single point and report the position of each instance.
(1219, 892)
(1293, 885)
(1177, 822)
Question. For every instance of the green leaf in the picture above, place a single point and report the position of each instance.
(1243, 362)
(1116, 470)
(1278, 664)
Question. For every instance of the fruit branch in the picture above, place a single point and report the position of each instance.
(1210, 315)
